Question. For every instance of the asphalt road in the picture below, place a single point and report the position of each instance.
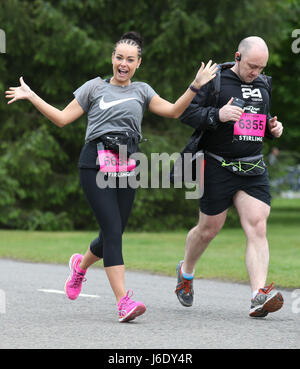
(35, 314)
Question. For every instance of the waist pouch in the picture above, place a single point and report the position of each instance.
(109, 155)
(248, 166)
(112, 141)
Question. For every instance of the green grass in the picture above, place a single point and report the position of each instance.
(285, 211)
(160, 252)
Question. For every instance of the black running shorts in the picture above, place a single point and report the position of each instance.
(220, 186)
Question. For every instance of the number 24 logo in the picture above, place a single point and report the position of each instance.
(247, 92)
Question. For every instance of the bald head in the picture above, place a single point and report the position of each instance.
(251, 58)
(253, 44)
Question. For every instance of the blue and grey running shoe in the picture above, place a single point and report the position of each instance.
(184, 289)
(265, 302)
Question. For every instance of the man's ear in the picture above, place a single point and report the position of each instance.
(238, 56)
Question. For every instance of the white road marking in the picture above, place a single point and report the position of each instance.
(63, 293)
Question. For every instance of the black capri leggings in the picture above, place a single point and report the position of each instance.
(112, 207)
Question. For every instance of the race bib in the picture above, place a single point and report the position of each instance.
(110, 162)
(252, 124)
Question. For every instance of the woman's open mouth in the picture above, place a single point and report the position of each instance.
(123, 72)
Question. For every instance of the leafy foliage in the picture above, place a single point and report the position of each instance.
(58, 45)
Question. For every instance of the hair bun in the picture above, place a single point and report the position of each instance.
(136, 37)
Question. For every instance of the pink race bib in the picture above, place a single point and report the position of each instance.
(109, 161)
(250, 125)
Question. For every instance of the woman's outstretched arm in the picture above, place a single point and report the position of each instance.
(59, 117)
(164, 108)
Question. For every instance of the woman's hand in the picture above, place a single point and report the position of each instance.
(59, 117)
(205, 74)
(22, 92)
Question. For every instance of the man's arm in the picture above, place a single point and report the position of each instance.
(199, 115)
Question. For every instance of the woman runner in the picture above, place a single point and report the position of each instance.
(112, 106)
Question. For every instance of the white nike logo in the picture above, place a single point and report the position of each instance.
(106, 105)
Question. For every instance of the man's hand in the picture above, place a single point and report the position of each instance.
(230, 112)
(275, 127)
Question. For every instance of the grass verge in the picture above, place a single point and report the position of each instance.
(160, 252)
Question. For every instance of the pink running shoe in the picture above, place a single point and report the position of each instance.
(129, 309)
(73, 284)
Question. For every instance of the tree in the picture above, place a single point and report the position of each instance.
(58, 45)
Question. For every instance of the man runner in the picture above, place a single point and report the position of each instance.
(235, 174)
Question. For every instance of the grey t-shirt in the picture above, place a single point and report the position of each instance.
(112, 108)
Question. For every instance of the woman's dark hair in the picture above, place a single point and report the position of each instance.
(132, 38)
